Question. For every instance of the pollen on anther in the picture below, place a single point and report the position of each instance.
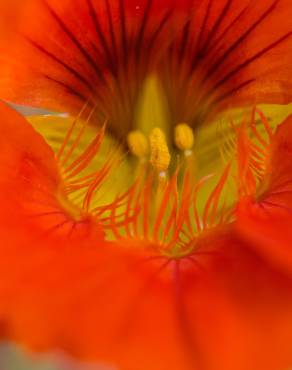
(159, 152)
(183, 137)
(138, 144)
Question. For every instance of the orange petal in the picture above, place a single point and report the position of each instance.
(31, 189)
(266, 222)
(125, 307)
(279, 165)
(228, 56)
(267, 227)
(96, 51)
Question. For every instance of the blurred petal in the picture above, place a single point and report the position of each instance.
(122, 307)
(265, 218)
(268, 229)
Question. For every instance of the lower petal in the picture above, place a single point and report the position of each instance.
(128, 308)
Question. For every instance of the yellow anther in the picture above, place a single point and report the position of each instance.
(160, 156)
(138, 144)
(183, 136)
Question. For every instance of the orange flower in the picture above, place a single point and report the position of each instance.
(157, 269)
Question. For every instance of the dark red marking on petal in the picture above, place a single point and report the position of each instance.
(111, 29)
(80, 77)
(228, 28)
(101, 36)
(250, 60)
(215, 27)
(124, 41)
(75, 41)
(157, 32)
(227, 94)
(67, 87)
(239, 41)
(202, 30)
(184, 39)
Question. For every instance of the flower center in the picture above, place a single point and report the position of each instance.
(152, 195)
(159, 206)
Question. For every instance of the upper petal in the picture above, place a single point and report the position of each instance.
(227, 56)
(223, 55)
(96, 51)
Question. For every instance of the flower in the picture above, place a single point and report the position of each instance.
(161, 269)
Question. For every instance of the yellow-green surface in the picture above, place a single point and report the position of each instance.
(14, 358)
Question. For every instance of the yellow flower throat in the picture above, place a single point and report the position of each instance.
(154, 196)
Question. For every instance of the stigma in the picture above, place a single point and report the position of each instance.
(160, 156)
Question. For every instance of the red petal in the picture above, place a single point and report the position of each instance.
(96, 51)
(31, 194)
(279, 165)
(228, 56)
(125, 308)
(266, 222)
(267, 228)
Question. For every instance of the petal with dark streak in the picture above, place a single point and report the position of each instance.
(61, 54)
(265, 221)
(227, 56)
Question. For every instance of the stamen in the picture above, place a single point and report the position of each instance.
(159, 153)
(184, 141)
(184, 138)
(138, 144)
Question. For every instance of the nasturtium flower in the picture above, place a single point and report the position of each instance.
(123, 241)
